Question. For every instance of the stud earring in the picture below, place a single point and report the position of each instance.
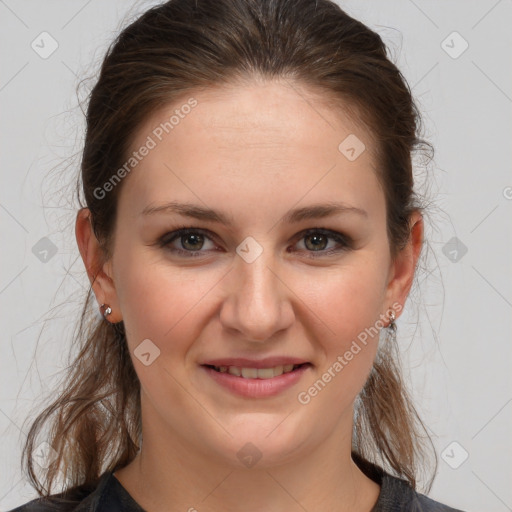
(392, 324)
(107, 311)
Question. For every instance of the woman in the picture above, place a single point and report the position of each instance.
(250, 229)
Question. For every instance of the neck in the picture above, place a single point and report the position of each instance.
(175, 476)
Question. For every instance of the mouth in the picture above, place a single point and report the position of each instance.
(257, 373)
(256, 383)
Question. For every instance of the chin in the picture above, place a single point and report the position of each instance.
(255, 447)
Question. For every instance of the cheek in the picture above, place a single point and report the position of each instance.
(160, 301)
(350, 304)
(350, 298)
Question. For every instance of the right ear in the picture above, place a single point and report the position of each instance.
(98, 270)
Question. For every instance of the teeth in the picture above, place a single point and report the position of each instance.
(252, 373)
(233, 370)
(256, 373)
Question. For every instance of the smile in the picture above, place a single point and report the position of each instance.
(257, 382)
(256, 373)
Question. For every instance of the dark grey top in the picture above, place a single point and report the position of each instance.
(396, 495)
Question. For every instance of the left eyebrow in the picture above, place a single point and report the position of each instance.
(296, 215)
(319, 211)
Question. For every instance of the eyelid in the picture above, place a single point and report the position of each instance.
(325, 231)
(183, 230)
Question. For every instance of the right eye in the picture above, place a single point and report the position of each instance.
(190, 240)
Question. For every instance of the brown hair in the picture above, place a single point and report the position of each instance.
(172, 50)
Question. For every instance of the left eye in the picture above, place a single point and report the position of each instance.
(317, 241)
(192, 240)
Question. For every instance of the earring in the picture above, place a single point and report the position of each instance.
(392, 324)
(108, 310)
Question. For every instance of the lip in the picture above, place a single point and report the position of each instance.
(256, 388)
(242, 362)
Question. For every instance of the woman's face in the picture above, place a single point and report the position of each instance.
(274, 279)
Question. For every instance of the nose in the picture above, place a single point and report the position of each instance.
(257, 303)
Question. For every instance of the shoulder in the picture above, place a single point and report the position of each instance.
(396, 494)
(429, 504)
(78, 499)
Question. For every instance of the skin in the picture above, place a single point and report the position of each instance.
(253, 152)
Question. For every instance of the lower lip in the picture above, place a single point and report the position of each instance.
(257, 388)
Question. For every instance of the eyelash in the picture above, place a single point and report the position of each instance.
(344, 240)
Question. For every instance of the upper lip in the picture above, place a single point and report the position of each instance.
(242, 362)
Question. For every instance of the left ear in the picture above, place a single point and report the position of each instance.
(403, 268)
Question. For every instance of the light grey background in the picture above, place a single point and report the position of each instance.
(457, 358)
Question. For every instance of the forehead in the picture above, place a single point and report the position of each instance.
(278, 112)
(240, 142)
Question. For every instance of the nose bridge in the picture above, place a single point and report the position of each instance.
(258, 284)
(257, 305)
